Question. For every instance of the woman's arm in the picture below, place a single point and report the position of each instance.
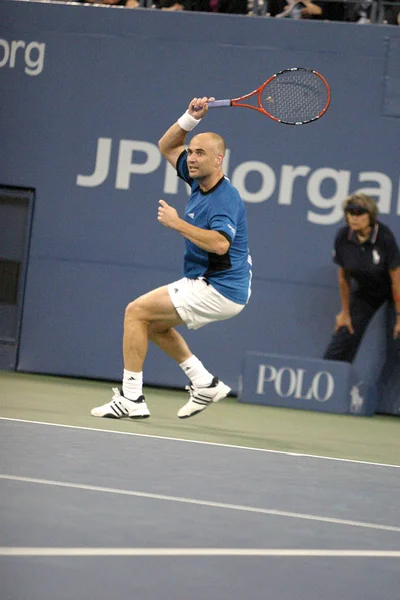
(395, 277)
(343, 319)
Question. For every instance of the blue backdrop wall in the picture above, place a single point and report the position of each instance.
(87, 91)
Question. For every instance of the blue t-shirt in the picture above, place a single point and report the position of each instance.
(220, 209)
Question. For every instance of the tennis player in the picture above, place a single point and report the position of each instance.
(217, 273)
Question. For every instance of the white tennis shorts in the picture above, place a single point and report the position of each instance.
(199, 303)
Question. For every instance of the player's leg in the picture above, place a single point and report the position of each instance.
(198, 304)
(170, 341)
(156, 306)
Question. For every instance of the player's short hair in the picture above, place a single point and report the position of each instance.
(363, 203)
(220, 143)
(216, 139)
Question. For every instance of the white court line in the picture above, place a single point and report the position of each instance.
(238, 507)
(186, 441)
(274, 552)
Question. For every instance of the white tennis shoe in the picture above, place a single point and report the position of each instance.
(200, 398)
(121, 407)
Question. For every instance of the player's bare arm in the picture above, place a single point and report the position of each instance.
(172, 143)
(208, 240)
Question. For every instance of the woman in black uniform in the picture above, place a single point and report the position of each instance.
(369, 275)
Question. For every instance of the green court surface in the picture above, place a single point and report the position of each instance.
(67, 401)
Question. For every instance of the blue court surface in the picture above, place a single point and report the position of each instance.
(102, 515)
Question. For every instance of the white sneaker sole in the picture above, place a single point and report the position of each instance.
(135, 412)
(111, 416)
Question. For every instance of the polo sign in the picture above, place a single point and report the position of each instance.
(296, 383)
(303, 383)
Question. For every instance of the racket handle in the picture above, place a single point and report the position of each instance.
(219, 103)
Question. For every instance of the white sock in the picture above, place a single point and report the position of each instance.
(196, 371)
(132, 384)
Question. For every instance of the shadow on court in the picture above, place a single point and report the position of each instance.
(68, 401)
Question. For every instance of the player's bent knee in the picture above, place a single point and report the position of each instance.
(135, 311)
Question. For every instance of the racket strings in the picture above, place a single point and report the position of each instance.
(295, 96)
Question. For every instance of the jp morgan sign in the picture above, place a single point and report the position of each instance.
(303, 383)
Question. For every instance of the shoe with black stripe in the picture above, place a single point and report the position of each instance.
(120, 407)
(200, 398)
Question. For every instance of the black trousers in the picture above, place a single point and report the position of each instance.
(344, 345)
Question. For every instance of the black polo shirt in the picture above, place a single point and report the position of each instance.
(368, 263)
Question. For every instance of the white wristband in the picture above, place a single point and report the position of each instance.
(187, 122)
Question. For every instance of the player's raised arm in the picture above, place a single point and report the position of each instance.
(172, 142)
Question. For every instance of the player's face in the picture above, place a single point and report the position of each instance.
(202, 159)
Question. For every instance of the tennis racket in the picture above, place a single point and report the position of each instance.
(293, 96)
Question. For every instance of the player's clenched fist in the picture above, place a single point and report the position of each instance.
(167, 215)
